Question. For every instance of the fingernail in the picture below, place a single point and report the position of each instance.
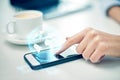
(101, 58)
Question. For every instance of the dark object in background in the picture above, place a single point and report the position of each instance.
(34, 4)
(52, 8)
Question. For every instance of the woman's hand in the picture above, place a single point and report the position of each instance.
(93, 44)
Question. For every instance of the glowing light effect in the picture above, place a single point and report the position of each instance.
(49, 37)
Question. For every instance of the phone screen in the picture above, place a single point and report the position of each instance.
(45, 56)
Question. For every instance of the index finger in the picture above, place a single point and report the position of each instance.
(77, 38)
(65, 46)
(71, 41)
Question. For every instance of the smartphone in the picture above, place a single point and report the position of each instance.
(47, 58)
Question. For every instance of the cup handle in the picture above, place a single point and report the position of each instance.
(8, 27)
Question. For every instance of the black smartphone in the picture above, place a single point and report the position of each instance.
(46, 58)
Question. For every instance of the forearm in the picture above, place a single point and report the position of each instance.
(114, 13)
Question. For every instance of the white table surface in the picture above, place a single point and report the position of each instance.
(13, 66)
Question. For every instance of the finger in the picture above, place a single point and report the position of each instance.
(70, 41)
(73, 40)
(101, 58)
(90, 49)
(84, 43)
(98, 54)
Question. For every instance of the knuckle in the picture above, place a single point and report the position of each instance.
(102, 46)
(97, 39)
(92, 33)
(70, 40)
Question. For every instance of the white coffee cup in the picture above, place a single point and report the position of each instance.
(24, 22)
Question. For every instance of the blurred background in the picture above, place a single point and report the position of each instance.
(50, 8)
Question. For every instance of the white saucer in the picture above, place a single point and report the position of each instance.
(34, 37)
(13, 39)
